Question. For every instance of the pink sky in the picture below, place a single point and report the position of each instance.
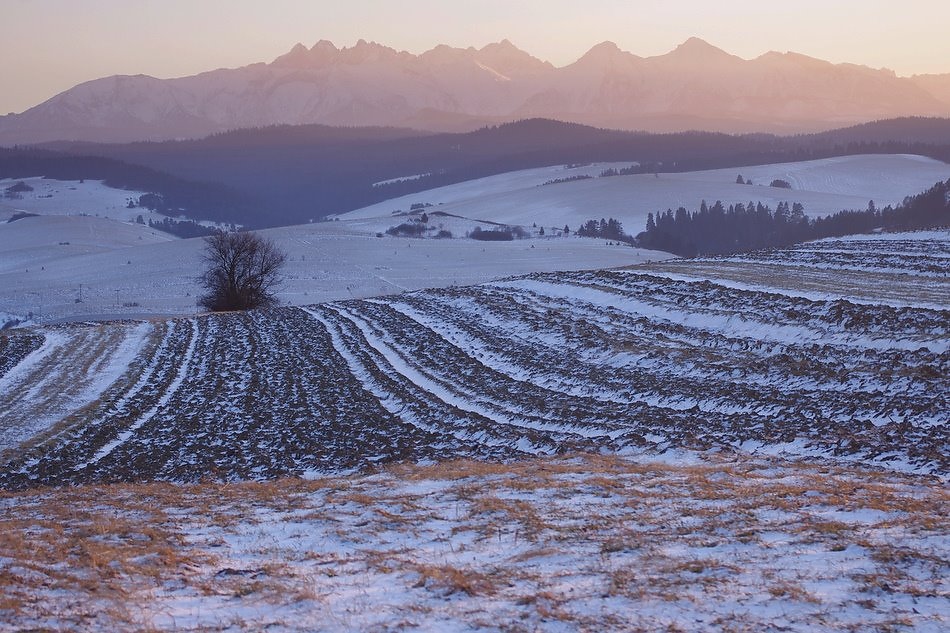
(50, 45)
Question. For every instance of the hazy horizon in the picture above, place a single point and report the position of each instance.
(60, 44)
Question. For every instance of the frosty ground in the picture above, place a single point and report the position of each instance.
(580, 542)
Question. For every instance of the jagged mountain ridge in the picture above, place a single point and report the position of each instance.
(695, 86)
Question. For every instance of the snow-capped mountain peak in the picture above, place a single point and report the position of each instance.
(696, 85)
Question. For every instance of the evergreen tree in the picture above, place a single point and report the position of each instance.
(718, 230)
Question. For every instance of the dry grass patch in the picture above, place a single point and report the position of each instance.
(450, 580)
(586, 540)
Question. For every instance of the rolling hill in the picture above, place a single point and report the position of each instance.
(522, 198)
(46, 260)
(294, 174)
(128, 269)
(722, 437)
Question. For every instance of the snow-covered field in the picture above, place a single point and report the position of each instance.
(578, 543)
(67, 197)
(655, 451)
(118, 268)
(896, 269)
(645, 359)
(29, 242)
(131, 270)
(823, 186)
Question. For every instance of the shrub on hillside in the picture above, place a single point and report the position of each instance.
(241, 272)
(407, 229)
(504, 234)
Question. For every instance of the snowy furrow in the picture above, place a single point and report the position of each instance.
(556, 375)
(16, 346)
(897, 264)
(71, 370)
(407, 410)
(162, 401)
(768, 308)
(784, 333)
(469, 394)
(52, 341)
(657, 372)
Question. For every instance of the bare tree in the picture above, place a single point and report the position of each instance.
(241, 271)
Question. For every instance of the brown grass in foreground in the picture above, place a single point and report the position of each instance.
(109, 556)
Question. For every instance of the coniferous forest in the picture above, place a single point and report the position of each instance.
(610, 229)
(720, 230)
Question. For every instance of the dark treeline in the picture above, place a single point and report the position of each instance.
(503, 234)
(558, 181)
(182, 228)
(718, 230)
(623, 171)
(292, 174)
(609, 229)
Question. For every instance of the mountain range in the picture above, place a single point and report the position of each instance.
(695, 86)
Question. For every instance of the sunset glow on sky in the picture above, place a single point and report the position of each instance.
(50, 45)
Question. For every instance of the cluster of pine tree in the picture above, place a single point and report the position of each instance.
(623, 171)
(183, 229)
(503, 234)
(558, 181)
(609, 229)
(717, 230)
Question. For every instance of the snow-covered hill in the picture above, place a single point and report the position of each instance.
(48, 263)
(53, 240)
(128, 269)
(70, 197)
(695, 86)
(823, 186)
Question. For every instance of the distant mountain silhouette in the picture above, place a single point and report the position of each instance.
(695, 86)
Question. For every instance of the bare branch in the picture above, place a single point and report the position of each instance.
(241, 271)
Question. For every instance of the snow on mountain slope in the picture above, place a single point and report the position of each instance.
(823, 186)
(695, 86)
